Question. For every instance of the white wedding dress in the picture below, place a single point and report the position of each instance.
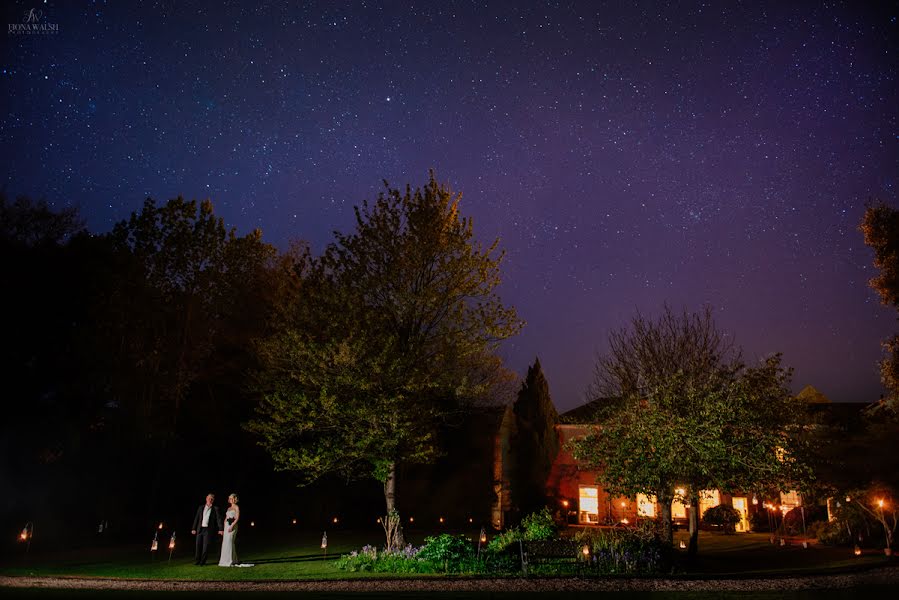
(229, 553)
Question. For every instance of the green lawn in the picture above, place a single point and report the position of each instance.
(753, 554)
(300, 557)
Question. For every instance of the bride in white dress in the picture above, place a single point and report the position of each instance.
(229, 551)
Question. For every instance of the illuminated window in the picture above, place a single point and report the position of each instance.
(588, 502)
(678, 510)
(646, 506)
(791, 499)
(708, 499)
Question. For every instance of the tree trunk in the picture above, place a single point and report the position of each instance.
(665, 527)
(694, 527)
(393, 525)
(390, 488)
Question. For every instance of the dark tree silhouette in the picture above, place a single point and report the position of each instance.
(534, 443)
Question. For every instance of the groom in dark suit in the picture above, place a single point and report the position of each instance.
(207, 520)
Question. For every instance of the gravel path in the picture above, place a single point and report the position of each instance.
(886, 576)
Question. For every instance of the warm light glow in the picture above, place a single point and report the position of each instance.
(646, 506)
(755, 500)
(589, 504)
(623, 504)
(680, 491)
(379, 519)
(172, 543)
(880, 503)
(160, 526)
(586, 550)
(625, 521)
(335, 519)
(252, 523)
(411, 519)
(294, 521)
(470, 520)
(24, 536)
(848, 499)
(154, 546)
(858, 551)
(441, 519)
(483, 538)
(565, 503)
(682, 545)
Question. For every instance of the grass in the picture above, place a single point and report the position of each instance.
(300, 557)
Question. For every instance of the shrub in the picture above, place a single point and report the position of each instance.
(816, 528)
(834, 533)
(792, 521)
(629, 551)
(723, 515)
(760, 521)
(369, 559)
(505, 539)
(539, 525)
(449, 553)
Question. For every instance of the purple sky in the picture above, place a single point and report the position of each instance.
(625, 156)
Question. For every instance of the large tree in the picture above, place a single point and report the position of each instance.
(182, 297)
(679, 409)
(395, 323)
(880, 227)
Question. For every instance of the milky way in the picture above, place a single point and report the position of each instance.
(625, 155)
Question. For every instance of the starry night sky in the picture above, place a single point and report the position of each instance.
(626, 156)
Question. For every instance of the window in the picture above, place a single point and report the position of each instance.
(588, 502)
(708, 499)
(790, 500)
(646, 506)
(678, 510)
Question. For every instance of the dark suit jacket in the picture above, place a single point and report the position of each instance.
(215, 519)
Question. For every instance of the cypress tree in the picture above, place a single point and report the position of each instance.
(535, 442)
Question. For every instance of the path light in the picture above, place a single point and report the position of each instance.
(848, 499)
(325, 544)
(154, 545)
(682, 545)
(171, 546)
(441, 520)
(857, 551)
(482, 539)
(586, 551)
(160, 526)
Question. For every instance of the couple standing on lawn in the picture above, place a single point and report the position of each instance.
(209, 519)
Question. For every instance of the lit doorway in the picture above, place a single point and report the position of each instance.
(742, 507)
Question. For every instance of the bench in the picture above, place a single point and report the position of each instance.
(550, 552)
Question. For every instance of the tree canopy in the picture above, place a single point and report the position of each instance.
(389, 337)
(880, 227)
(683, 410)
